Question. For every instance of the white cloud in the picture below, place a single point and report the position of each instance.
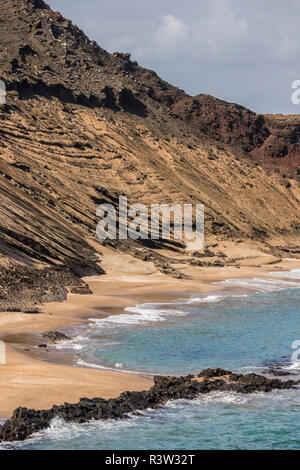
(170, 31)
(288, 47)
(289, 38)
(221, 28)
(217, 32)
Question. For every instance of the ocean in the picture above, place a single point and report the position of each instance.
(248, 325)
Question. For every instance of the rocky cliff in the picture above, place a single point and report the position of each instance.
(82, 126)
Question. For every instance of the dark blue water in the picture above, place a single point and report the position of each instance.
(241, 333)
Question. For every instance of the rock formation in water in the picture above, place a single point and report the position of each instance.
(25, 422)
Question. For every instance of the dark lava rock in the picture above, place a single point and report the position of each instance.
(25, 422)
(33, 311)
(81, 290)
(56, 336)
(257, 383)
(278, 373)
(24, 289)
(214, 373)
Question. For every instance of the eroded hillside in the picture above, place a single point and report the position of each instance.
(82, 126)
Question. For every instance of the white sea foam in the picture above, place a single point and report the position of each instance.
(293, 366)
(119, 365)
(261, 284)
(61, 431)
(84, 363)
(76, 344)
(260, 400)
(293, 274)
(154, 312)
(200, 300)
(142, 313)
(59, 428)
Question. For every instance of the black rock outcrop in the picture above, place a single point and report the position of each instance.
(25, 422)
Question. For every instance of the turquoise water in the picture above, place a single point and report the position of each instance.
(235, 329)
(235, 333)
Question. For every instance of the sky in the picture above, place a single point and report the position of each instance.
(242, 51)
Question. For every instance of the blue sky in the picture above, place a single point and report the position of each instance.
(243, 51)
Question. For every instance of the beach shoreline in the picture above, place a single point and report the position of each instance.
(33, 381)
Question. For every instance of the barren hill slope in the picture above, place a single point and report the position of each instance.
(82, 126)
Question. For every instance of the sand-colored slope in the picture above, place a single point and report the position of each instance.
(82, 126)
(69, 159)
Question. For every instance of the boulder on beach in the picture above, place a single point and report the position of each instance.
(56, 336)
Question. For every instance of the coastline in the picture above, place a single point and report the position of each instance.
(36, 383)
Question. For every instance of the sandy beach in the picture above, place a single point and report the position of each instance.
(31, 380)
